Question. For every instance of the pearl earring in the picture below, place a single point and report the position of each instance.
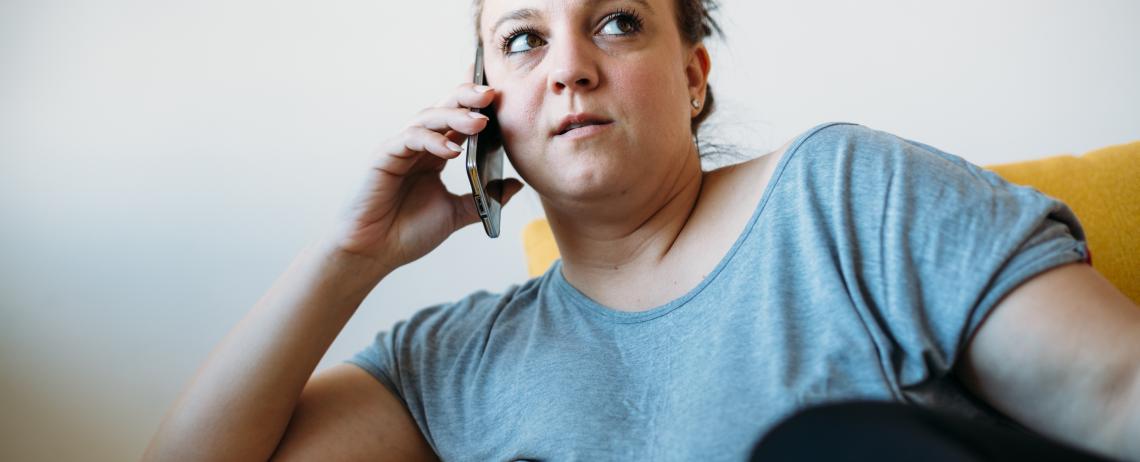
(696, 104)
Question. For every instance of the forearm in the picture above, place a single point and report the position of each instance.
(1128, 436)
(241, 399)
(1061, 354)
(1110, 424)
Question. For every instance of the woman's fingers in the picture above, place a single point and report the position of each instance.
(420, 139)
(458, 119)
(456, 137)
(439, 131)
(468, 95)
(401, 153)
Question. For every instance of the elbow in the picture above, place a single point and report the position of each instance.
(1121, 428)
(1130, 428)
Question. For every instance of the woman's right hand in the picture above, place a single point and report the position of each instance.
(403, 210)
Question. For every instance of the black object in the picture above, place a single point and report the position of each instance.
(885, 431)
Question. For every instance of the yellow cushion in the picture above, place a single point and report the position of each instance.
(1102, 187)
(539, 245)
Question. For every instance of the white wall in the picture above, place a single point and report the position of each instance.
(161, 161)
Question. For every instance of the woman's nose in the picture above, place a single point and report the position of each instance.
(573, 67)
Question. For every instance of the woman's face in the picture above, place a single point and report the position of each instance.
(620, 60)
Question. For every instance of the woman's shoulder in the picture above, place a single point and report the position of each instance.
(820, 138)
(842, 169)
(755, 172)
(854, 145)
(473, 313)
(848, 154)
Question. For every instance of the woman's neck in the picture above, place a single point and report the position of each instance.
(625, 241)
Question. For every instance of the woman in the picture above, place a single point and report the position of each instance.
(691, 311)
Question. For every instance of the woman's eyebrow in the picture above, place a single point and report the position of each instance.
(523, 14)
(516, 15)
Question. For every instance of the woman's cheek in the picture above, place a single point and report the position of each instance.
(516, 126)
(521, 130)
(652, 90)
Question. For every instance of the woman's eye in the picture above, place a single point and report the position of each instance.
(619, 25)
(524, 42)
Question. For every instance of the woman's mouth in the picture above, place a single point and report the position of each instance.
(581, 125)
(583, 131)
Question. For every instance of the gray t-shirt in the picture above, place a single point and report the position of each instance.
(865, 268)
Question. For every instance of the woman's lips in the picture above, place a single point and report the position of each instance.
(578, 120)
(584, 132)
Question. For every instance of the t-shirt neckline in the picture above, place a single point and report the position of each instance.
(629, 317)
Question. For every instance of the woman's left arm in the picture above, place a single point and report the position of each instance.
(1061, 355)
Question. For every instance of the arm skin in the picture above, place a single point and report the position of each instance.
(1061, 355)
(240, 402)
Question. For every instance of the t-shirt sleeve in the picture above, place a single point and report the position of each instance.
(940, 242)
(379, 358)
(408, 357)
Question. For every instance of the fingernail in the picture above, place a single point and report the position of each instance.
(476, 115)
(454, 147)
(482, 88)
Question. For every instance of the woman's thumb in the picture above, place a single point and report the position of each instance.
(466, 211)
(511, 187)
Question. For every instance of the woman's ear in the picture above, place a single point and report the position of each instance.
(697, 71)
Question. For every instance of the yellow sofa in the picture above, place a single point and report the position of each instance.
(1102, 187)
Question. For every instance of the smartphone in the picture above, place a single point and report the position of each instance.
(485, 161)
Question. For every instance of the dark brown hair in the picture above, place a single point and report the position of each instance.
(694, 22)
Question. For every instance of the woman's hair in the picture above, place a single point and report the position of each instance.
(694, 22)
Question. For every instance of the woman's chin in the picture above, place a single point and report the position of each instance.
(591, 186)
(586, 176)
